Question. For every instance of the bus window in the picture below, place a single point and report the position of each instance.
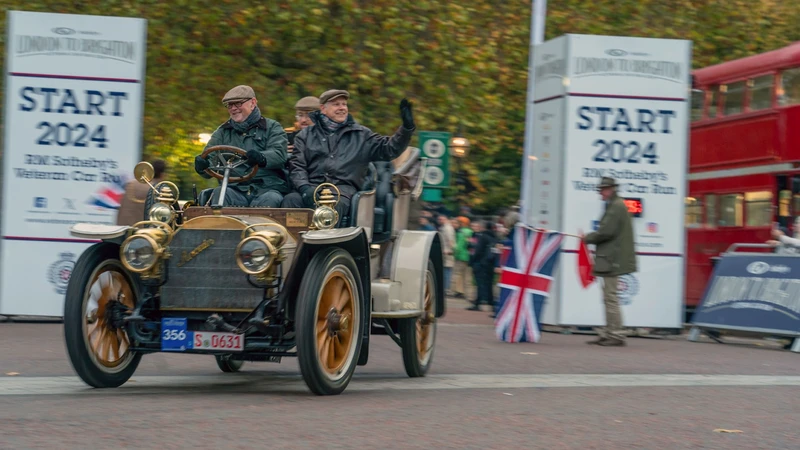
(733, 101)
(698, 97)
(785, 206)
(758, 208)
(730, 211)
(761, 92)
(789, 90)
(694, 212)
(711, 210)
(713, 100)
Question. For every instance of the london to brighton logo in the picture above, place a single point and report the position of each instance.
(627, 288)
(59, 272)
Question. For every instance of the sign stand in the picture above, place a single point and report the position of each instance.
(755, 293)
(74, 103)
(618, 107)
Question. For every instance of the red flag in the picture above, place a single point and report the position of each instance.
(585, 265)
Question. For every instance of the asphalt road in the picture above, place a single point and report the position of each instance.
(656, 393)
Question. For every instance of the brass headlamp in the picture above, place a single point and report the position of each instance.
(258, 251)
(145, 246)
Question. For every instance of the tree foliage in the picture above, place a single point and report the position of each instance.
(461, 63)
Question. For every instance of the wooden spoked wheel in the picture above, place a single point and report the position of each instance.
(334, 320)
(329, 321)
(109, 346)
(99, 292)
(418, 334)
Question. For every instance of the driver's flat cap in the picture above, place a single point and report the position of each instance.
(332, 94)
(240, 92)
(309, 103)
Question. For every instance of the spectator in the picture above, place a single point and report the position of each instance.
(462, 272)
(482, 261)
(784, 244)
(448, 237)
(131, 208)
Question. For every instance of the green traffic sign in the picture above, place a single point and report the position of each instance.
(435, 145)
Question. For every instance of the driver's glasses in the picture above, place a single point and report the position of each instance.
(230, 105)
(299, 116)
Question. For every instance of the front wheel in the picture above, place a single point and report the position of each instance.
(99, 291)
(418, 334)
(228, 365)
(329, 321)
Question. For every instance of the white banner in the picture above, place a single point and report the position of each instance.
(623, 113)
(73, 132)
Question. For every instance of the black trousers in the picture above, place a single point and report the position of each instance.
(484, 278)
(296, 200)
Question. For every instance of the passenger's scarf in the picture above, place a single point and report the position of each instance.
(331, 124)
(251, 120)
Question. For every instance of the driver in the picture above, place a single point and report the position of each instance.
(338, 150)
(265, 142)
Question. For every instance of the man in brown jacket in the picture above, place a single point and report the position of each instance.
(131, 208)
(615, 255)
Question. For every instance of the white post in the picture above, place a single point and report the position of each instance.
(539, 10)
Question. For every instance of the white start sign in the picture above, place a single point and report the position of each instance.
(620, 106)
(73, 132)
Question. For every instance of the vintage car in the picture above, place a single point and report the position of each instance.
(258, 284)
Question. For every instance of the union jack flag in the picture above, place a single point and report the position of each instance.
(109, 195)
(525, 280)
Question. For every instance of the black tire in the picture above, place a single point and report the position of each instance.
(321, 277)
(228, 365)
(417, 363)
(96, 261)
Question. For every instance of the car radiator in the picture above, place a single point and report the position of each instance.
(203, 274)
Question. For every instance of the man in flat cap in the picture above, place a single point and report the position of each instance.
(338, 150)
(302, 110)
(615, 255)
(266, 146)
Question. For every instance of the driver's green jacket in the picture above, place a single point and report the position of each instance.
(268, 137)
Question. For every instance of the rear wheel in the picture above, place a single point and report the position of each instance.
(100, 290)
(418, 334)
(329, 321)
(228, 365)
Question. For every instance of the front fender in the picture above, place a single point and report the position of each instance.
(354, 241)
(412, 251)
(95, 231)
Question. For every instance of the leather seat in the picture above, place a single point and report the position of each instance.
(384, 202)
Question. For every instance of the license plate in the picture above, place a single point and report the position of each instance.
(229, 342)
(175, 337)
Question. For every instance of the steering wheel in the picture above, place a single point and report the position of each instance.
(227, 156)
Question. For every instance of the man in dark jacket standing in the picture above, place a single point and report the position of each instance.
(265, 143)
(482, 261)
(338, 150)
(615, 255)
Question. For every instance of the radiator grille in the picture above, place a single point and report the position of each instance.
(211, 279)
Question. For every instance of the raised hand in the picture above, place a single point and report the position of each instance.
(406, 114)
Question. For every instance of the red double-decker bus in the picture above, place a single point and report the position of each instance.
(744, 164)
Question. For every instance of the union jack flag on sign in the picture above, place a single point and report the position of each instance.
(525, 280)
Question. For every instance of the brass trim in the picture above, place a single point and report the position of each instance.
(214, 223)
(188, 256)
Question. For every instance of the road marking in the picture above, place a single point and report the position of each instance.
(259, 382)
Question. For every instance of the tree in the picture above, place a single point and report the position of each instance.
(459, 62)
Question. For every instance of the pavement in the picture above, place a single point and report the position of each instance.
(659, 392)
